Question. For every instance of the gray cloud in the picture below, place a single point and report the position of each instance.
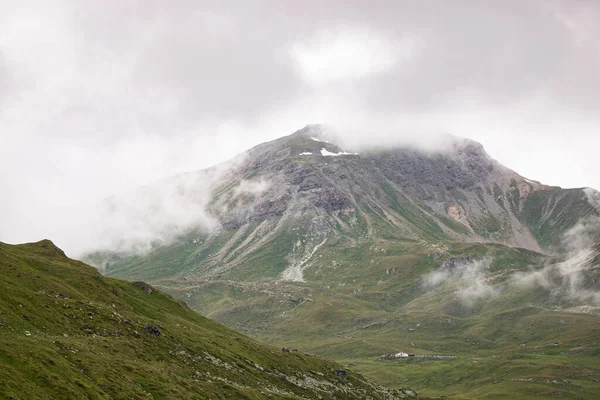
(5, 78)
(98, 98)
(569, 282)
(156, 214)
(468, 277)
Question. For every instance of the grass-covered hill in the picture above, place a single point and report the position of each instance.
(520, 324)
(352, 256)
(66, 332)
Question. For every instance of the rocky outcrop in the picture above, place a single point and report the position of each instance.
(143, 286)
(286, 195)
(424, 174)
(460, 193)
(152, 329)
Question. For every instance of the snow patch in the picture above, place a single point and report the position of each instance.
(319, 140)
(306, 153)
(327, 153)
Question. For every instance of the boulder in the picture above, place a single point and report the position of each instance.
(152, 329)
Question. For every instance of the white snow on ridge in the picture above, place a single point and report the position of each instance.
(306, 153)
(319, 140)
(326, 153)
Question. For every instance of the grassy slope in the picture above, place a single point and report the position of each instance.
(368, 301)
(368, 272)
(68, 332)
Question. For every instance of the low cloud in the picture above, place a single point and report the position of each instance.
(87, 112)
(571, 282)
(583, 235)
(593, 197)
(469, 275)
(348, 54)
(252, 187)
(151, 215)
(570, 279)
(136, 221)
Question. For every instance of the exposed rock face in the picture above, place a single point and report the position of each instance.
(452, 263)
(457, 213)
(286, 199)
(417, 193)
(427, 175)
(341, 373)
(144, 286)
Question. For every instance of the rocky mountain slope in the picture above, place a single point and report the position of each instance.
(357, 253)
(287, 193)
(67, 332)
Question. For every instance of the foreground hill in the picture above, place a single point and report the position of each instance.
(355, 255)
(66, 332)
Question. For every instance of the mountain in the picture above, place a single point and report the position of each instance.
(355, 253)
(67, 332)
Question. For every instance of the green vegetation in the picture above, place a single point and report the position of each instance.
(485, 225)
(67, 332)
(353, 257)
(368, 300)
(412, 214)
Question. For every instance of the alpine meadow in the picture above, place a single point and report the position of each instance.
(486, 281)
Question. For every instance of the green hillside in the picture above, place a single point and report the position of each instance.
(66, 332)
(354, 256)
(355, 305)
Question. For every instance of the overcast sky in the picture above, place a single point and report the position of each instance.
(98, 97)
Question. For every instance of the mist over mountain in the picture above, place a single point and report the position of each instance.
(90, 111)
(437, 230)
(353, 250)
(449, 186)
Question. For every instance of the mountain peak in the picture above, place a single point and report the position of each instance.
(46, 247)
(315, 241)
(310, 130)
(451, 191)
